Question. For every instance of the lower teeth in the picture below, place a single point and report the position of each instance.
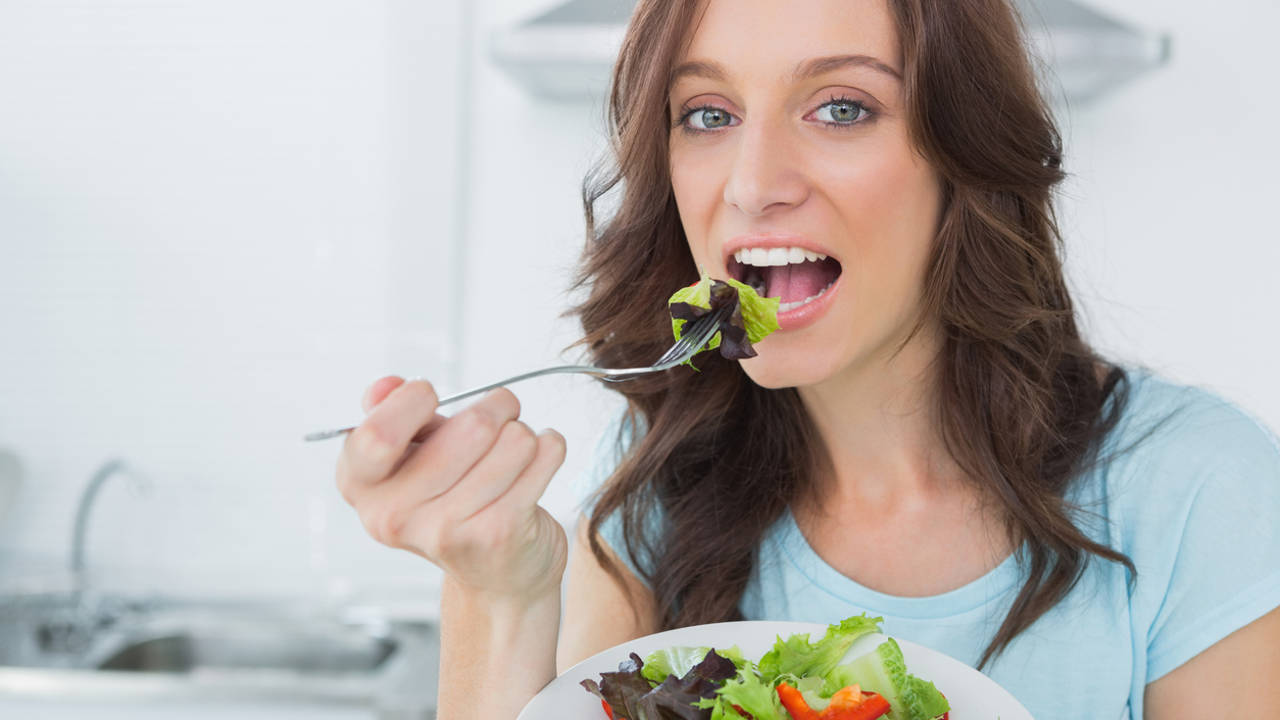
(784, 307)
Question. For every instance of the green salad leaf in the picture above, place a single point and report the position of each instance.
(631, 695)
(884, 671)
(749, 692)
(679, 661)
(798, 657)
(699, 683)
(750, 319)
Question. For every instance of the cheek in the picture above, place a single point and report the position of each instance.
(695, 181)
(697, 196)
(889, 199)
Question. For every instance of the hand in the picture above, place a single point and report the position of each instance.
(460, 491)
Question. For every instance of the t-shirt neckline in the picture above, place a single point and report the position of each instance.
(991, 586)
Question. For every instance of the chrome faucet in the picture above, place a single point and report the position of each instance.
(90, 493)
(71, 631)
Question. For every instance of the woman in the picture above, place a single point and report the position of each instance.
(926, 438)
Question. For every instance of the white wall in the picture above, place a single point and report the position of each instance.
(220, 221)
(1169, 216)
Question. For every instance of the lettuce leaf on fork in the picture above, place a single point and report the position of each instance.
(751, 319)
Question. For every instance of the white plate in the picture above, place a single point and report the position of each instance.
(972, 695)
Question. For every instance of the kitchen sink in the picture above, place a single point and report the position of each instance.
(252, 645)
(58, 647)
(302, 653)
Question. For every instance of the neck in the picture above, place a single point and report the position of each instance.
(877, 420)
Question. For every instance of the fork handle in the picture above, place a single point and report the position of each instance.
(584, 369)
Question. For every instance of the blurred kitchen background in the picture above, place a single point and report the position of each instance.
(221, 220)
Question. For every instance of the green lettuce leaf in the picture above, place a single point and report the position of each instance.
(750, 320)
(678, 661)
(799, 657)
(884, 671)
(749, 692)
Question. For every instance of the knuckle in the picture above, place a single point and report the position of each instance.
(520, 441)
(342, 478)
(439, 541)
(479, 424)
(508, 400)
(423, 391)
(385, 525)
(555, 443)
(347, 491)
(372, 443)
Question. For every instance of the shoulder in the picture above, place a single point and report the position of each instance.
(1181, 438)
(1192, 497)
(1183, 471)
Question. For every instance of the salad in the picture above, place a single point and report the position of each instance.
(799, 679)
(750, 319)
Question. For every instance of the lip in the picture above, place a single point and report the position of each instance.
(738, 242)
(808, 314)
(804, 315)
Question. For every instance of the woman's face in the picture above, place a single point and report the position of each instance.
(790, 131)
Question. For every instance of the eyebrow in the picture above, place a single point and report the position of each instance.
(807, 69)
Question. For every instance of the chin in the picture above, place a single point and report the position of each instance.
(777, 367)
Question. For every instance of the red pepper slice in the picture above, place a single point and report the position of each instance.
(868, 707)
(849, 703)
(608, 710)
(795, 704)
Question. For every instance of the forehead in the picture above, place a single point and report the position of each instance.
(771, 38)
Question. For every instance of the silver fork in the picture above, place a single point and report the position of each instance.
(698, 333)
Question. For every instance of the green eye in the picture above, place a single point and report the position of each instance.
(709, 117)
(842, 112)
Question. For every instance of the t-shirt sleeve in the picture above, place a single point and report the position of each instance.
(610, 449)
(1205, 533)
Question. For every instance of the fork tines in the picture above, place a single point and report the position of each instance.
(695, 335)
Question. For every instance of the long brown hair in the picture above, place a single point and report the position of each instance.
(1020, 400)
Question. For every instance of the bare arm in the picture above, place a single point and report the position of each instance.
(1237, 677)
(597, 614)
(462, 492)
(495, 655)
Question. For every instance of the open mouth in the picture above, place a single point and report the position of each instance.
(796, 275)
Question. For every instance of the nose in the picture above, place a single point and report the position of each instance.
(765, 175)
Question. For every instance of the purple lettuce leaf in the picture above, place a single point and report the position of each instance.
(733, 331)
(632, 697)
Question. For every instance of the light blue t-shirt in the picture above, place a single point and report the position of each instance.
(1196, 506)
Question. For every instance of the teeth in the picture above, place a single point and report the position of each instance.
(765, 257)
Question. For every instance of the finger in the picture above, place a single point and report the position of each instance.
(372, 449)
(528, 487)
(387, 508)
(491, 477)
(379, 390)
(447, 454)
(432, 425)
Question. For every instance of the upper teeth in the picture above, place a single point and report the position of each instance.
(763, 257)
